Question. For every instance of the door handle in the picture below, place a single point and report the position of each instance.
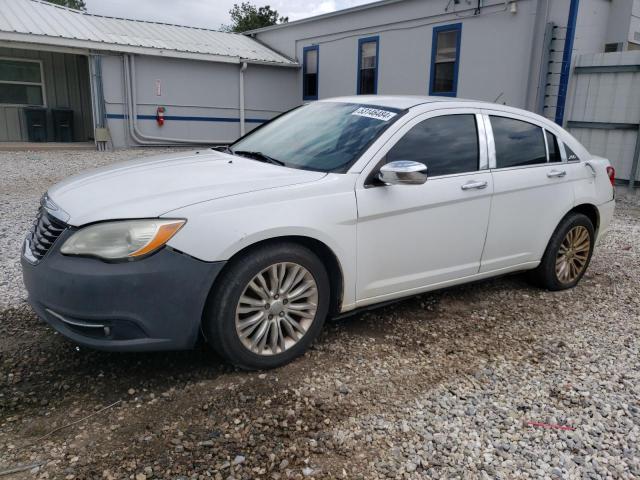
(474, 185)
(556, 173)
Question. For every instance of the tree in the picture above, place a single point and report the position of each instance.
(246, 16)
(76, 4)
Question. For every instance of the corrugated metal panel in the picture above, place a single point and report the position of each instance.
(38, 21)
(604, 112)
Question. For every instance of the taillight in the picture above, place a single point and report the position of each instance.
(611, 173)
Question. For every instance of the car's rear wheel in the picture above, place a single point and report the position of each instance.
(567, 255)
(268, 306)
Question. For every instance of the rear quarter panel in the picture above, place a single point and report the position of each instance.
(597, 190)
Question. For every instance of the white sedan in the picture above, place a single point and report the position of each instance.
(333, 206)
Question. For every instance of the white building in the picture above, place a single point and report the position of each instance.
(119, 74)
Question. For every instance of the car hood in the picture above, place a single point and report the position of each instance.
(153, 186)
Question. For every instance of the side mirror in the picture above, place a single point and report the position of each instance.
(403, 172)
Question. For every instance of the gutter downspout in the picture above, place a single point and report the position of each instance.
(132, 114)
(242, 127)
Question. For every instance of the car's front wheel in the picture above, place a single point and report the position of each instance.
(567, 255)
(268, 306)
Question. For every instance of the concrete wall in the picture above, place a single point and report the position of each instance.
(66, 84)
(203, 97)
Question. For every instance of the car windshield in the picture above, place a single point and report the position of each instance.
(322, 136)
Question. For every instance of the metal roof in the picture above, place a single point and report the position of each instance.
(39, 22)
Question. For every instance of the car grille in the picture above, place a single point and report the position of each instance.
(45, 231)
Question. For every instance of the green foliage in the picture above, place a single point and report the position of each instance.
(246, 16)
(77, 4)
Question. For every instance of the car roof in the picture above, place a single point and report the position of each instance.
(396, 101)
(404, 102)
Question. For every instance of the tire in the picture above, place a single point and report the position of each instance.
(567, 274)
(225, 318)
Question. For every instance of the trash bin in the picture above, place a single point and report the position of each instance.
(36, 119)
(62, 124)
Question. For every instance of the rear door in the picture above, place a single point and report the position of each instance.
(411, 237)
(532, 189)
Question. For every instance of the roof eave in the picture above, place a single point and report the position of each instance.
(86, 45)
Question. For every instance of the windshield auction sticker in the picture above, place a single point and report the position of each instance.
(376, 113)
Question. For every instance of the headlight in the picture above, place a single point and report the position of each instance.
(121, 239)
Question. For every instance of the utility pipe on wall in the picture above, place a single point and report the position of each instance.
(132, 114)
(242, 69)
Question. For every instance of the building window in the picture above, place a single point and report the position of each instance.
(310, 58)
(21, 82)
(445, 60)
(368, 66)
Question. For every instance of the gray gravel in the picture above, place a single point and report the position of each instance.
(491, 380)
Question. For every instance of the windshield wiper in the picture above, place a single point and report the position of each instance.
(223, 148)
(261, 157)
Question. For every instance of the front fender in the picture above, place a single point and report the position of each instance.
(324, 210)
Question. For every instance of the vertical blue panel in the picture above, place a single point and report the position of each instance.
(566, 61)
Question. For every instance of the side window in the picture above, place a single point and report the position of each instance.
(571, 156)
(554, 150)
(446, 145)
(517, 143)
(310, 73)
(368, 66)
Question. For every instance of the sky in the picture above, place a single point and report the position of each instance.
(209, 13)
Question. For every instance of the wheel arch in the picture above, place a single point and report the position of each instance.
(324, 252)
(590, 211)
(587, 209)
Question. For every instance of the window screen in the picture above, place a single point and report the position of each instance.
(517, 143)
(444, 61)
(368, 67)
(554, 150)
(446, 145)
(20, 82)
(310, 73)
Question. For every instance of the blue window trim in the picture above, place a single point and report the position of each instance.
(375, 39)
(304, 71)
(565, 70)
(457, 27)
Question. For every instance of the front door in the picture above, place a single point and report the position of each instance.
(413, 237)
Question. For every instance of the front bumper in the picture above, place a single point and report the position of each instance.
(151, 304)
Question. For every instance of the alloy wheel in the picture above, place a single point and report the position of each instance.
(276, 308)
(573, 254)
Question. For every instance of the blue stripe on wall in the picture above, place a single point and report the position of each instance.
(566, 61)
(119, 116)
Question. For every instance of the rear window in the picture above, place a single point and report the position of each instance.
(571, 155)
(554, 150)
(517, 143)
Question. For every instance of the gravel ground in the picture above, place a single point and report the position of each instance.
(443, 385)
